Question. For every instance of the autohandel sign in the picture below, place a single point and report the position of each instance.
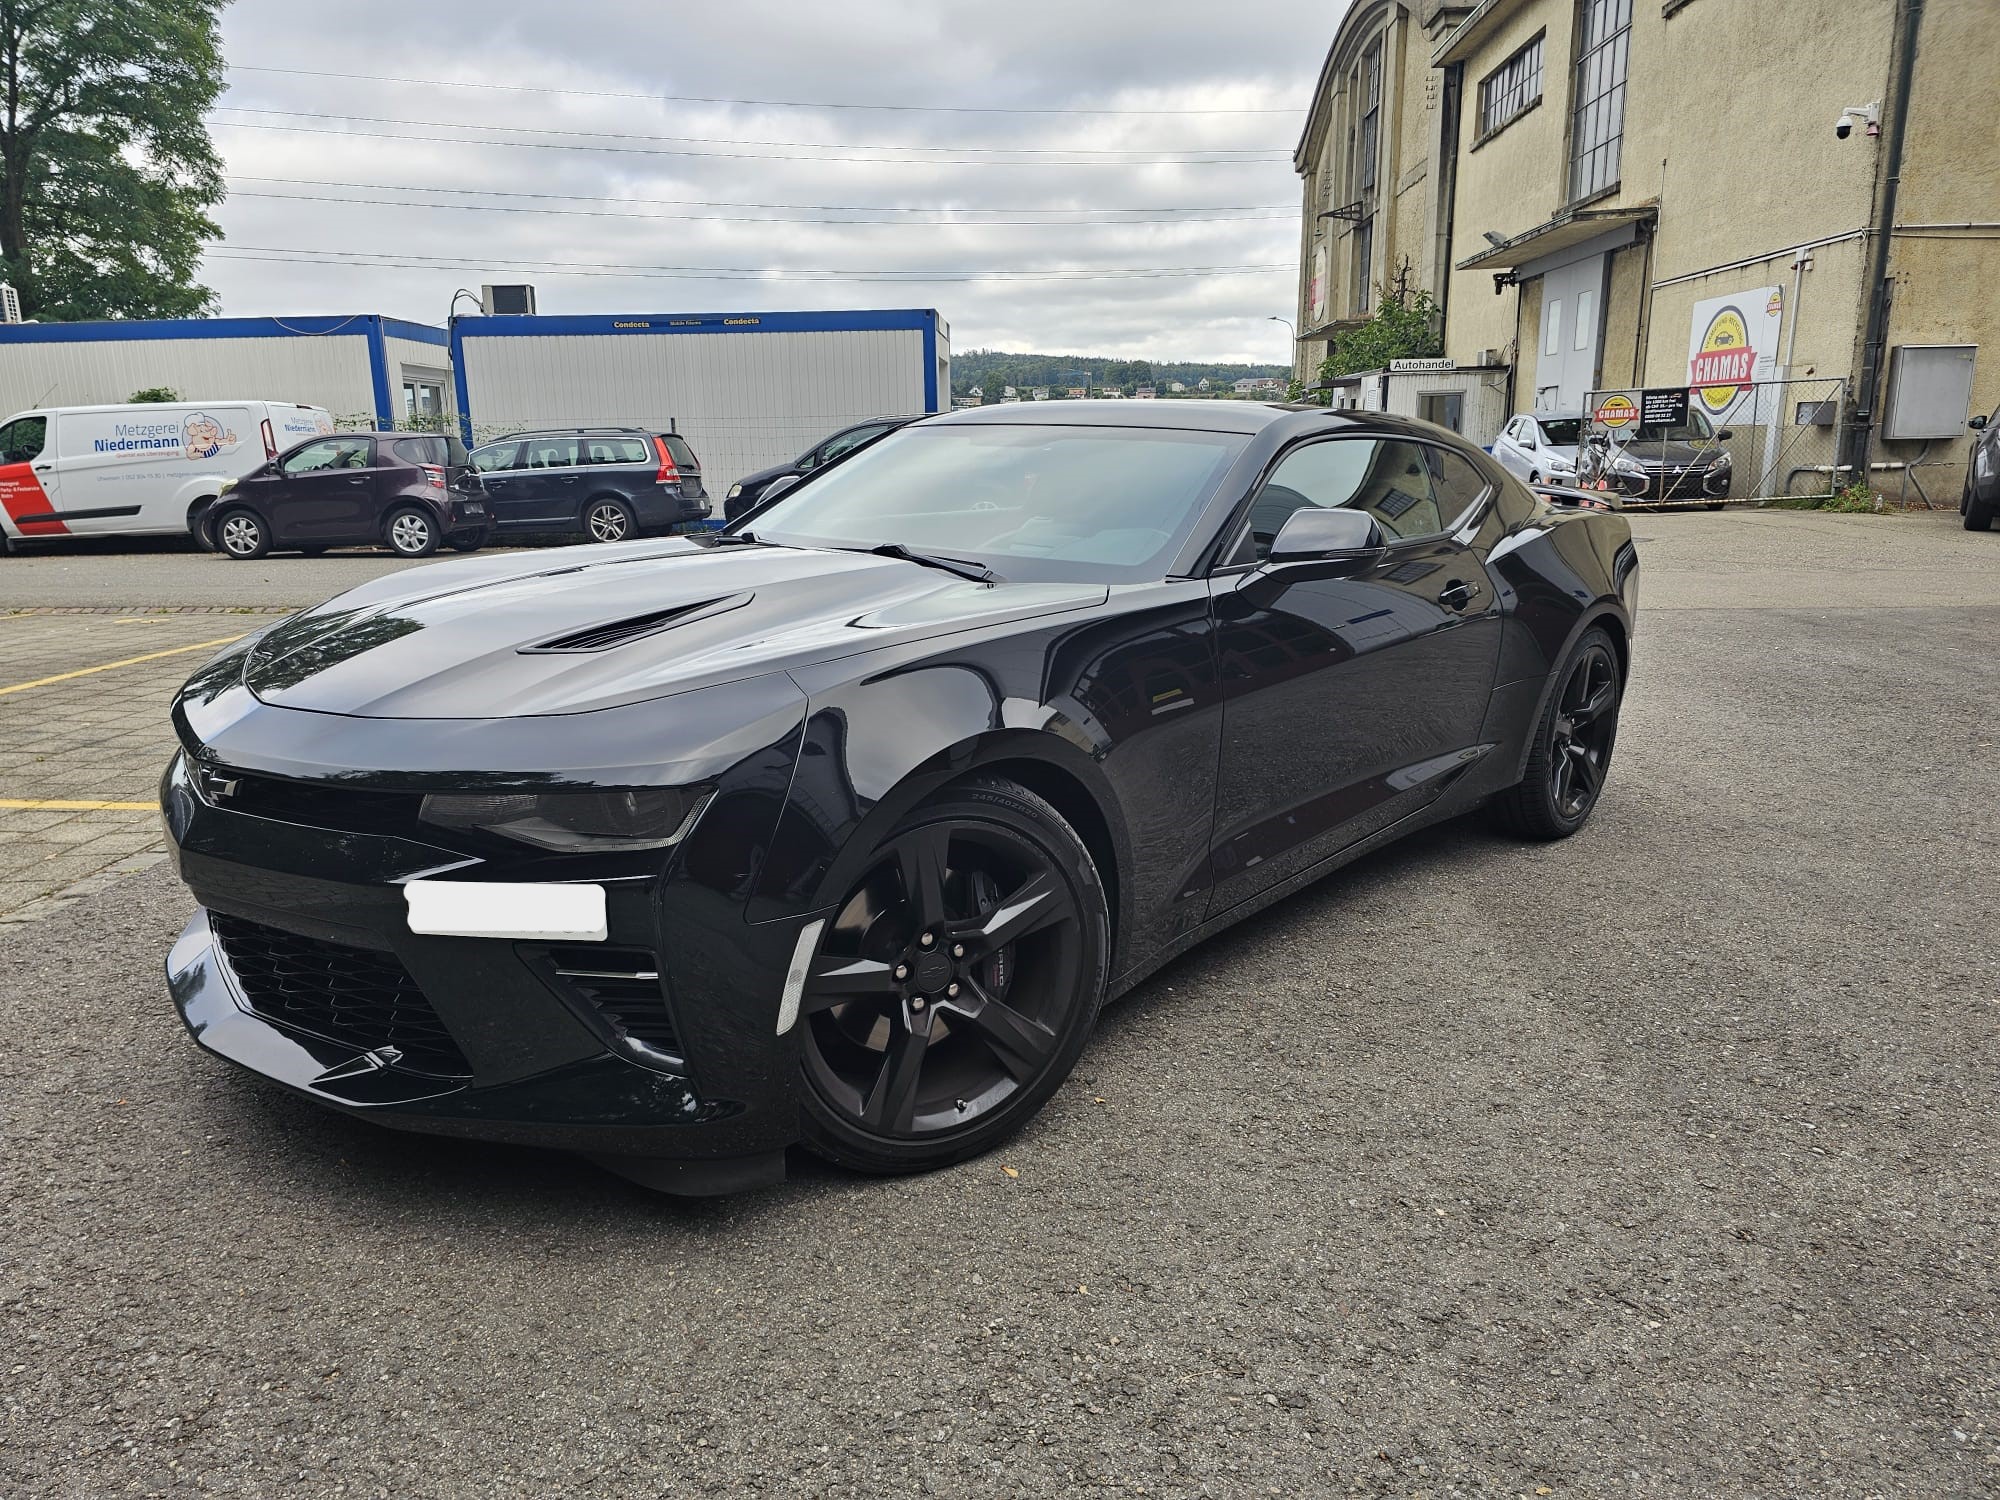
(1423, 366)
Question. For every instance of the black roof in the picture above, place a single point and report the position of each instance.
(1248, 417)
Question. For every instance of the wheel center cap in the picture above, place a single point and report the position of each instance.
(932, 971)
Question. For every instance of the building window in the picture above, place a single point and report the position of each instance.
(1364, 265)
(1598, 125)
(1510, 88)
(1368, 140)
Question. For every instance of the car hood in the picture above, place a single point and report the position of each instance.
(765, 476)
(1679, 455)
(588, 628)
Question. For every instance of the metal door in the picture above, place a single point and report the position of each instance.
(1572, 328)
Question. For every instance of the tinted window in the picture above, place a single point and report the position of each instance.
(1389, 480)
(421, 450)
(548, 453)
(22, 439)
(847, 442)
(683, 455)
(498, 456)
(1085, 503)
(1696, 429)
(330, 453)
(614, 450)
(1456, 484)
(1561, 431)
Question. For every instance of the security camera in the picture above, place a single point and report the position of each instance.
(1869, 115)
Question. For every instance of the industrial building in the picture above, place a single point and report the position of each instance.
(365, 369)
(1598, 207)
(747, 390)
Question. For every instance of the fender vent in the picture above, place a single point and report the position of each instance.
(636, 627)
(623, 985)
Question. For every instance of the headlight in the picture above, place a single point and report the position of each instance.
(1721, 461)
(1557, 465)
(734, 491)
(571, 822)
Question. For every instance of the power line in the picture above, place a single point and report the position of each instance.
(391, 135)
(942, 109)
(1244, 153)
(859, 208)
(402, 260)
(587, 213)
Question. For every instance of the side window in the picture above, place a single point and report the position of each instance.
(613, 450)
(330, 453)
(683, 455)
(21, 440)
(499, 456)
(847, 442)
(548, 453)
(1457, 486)
(1391, 480)
(423, 450)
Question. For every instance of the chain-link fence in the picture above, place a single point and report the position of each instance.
(1715, 445)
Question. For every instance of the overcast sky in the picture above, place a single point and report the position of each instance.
(578, 176)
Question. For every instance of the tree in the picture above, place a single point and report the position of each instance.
(1405, 326)
(151, 394)
(106, 167)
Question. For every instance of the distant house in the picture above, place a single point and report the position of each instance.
(976, 392)
(1202, 384)
(1245, 387)
(1078, 392)
(1007, 391)
(1146, 393)
(1178, 389)
(1111, 393)
(1040, 393)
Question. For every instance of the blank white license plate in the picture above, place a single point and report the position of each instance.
(491, 909)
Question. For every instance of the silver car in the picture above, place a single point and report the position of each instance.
(1538, 446)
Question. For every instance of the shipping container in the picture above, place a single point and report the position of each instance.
(747, 390)
(367, 370)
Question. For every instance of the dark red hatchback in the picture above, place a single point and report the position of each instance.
(407, 491)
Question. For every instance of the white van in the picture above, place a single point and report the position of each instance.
(135, 470)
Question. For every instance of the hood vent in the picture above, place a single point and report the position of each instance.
(611, 633)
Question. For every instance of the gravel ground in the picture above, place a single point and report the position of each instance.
(1659, 1163)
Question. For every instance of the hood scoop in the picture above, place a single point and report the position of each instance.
(614, 633)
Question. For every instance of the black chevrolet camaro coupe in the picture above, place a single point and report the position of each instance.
(840, 829)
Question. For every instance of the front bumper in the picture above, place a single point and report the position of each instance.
(1670, 483)
(654, 1052)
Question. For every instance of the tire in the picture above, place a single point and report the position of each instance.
(1977, 517)
(470, 541)
(1534, 479)
(199, 517)
(1571, 754)
(608, 519)
(241, 535)
(1714, 505)
(410, 532)
(916, 1055)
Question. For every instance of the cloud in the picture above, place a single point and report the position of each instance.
(461, 178)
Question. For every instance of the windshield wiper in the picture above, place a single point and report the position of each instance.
(977, 572)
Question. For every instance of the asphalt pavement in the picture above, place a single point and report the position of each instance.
(1656, 1163)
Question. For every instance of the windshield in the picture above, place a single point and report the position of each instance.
(1696, 429)
(1561, 431)
(1044, 503)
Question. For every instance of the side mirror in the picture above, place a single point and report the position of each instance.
(1977, 424)
(1530, 444)
(1316, 534)
(1724, 436)
(778, 487)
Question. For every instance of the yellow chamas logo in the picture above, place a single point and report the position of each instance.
(1616, 411)
(1722, 366)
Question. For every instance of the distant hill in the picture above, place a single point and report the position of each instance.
(991, 369)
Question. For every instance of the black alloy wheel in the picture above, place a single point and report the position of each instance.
(956, 985)
(241, 535)
(1573, 743)
(607, 520)
(410, 532)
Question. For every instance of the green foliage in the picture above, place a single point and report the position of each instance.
(153, 393)
(106, 167)
(1855, 500)
(1406, 325)
(994, 369)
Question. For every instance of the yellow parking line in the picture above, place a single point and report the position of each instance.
(130, 661)
(63, 804)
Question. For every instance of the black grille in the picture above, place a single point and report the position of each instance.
(354, 996)
(347, 809)
(624, 986)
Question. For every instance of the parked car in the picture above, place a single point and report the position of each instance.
(608, 483)
(134, 470)
(1981, 500)
(1540, 445)
(406, 491)
(748, 490)
(840, 825)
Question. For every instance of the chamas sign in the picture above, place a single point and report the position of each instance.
(1616, 411)
(1732, 341)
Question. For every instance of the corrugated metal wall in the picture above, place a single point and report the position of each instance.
(744, 400)
(331, 372)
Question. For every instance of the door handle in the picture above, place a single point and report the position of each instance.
(357, 479)
(43, 468)
(1458, 595)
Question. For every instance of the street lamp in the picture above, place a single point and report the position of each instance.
(1293, 331)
